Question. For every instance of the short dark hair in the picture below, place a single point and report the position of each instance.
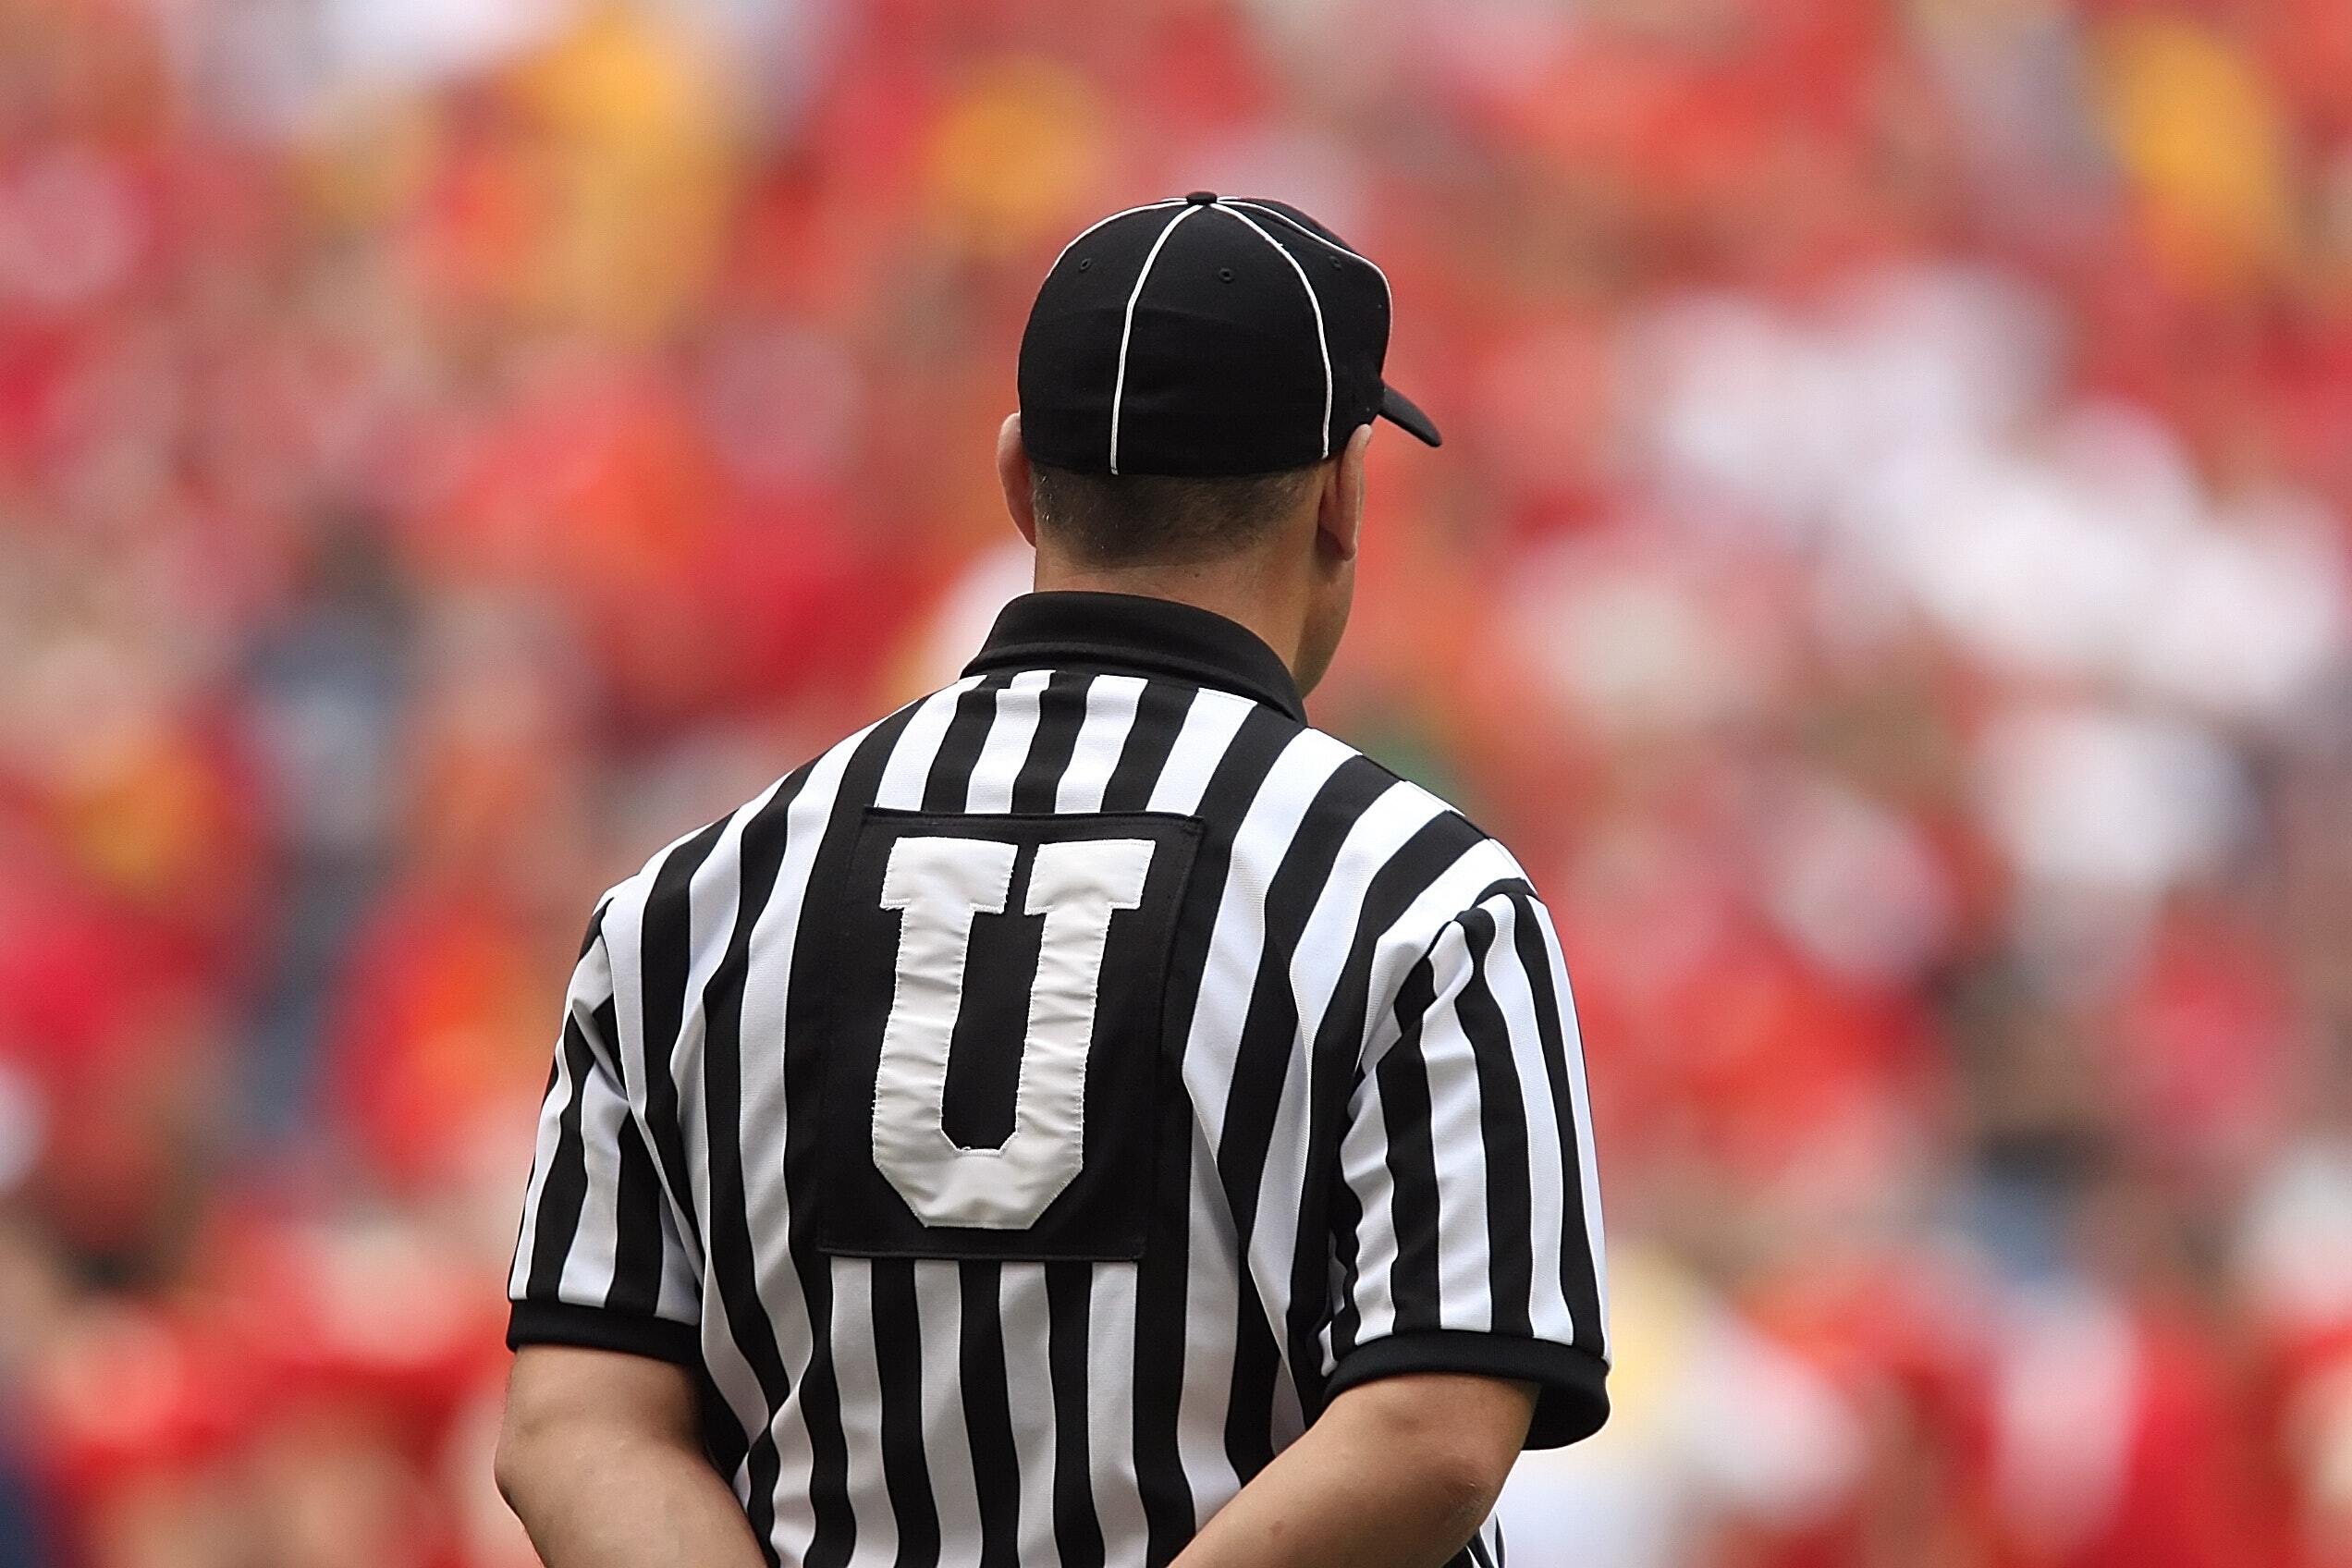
(1147, 519)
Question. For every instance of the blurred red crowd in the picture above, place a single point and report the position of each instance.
(1887, 573)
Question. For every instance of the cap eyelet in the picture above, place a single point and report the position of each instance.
(1085, 262)
(1224, 275)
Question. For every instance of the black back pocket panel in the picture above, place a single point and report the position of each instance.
(996, 1042)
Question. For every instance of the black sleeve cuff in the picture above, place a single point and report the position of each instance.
(594, 1328)
(1572, 1385)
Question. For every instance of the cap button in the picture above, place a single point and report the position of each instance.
(1201, 198)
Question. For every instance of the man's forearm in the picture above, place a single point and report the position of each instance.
(1387, 1478)
(596, 1498)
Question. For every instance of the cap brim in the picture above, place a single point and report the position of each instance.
(1398, 409)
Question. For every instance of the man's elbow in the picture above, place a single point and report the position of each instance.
(532, 1435)
(1454, 1436)
(1459, 1485)
(524, 1439)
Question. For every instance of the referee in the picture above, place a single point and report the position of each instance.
(1090, 1116)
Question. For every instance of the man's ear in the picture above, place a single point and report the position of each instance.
(1338, 520)
(1012, 472)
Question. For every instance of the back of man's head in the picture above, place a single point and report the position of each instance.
(1198, 378)
(1105, 520)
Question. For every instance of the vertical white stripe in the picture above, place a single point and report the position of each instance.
(1111, 1410)
(1457, 1142)
(1322, 344)
(1212, 1311)
(858, 1375)
(1028, 1316)
(947, 1438)
(1110, 715)
(1572, 1039)
(680, 1296)
(1209, 725)
(909, 763)
(1127, 329)
(1547, 1179)
(591, 983)
(1007, 747)
(551, 1112)
(595, 1246)
(1363, 1165)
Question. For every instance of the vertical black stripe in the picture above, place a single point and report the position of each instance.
(666, 955)
(987, 1415)
(947, 787)
(1412, 1166)
(1078, 1538)
(604, 1038)
(899, 1347)
(1261, 1068)
(1347, 1226)
(721, 1430)
(596, 930)
(1061, 710)
(759, 855)
(1423, 858)
(1502, 1139)
(1161, 1274)
(638, 1228)
(1159, 717)
(566, 1188)
(1579, 1273)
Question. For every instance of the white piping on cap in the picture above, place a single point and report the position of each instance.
(1128, 213)
(1357, 255)
(1127, 331)
(1322, 345)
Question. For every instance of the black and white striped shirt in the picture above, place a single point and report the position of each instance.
(1026, 1116)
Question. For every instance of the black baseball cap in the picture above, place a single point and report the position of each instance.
(1207, 334)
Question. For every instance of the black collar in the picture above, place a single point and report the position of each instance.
(1131, 634)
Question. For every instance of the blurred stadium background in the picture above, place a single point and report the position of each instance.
(1898, 456)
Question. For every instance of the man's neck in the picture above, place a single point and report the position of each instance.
(1241, 591)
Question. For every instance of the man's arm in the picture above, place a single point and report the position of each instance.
(600, 1460)
(1398, 1473)
(1467, 1121)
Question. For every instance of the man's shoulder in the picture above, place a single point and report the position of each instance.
(1399, 845)
(1400, 792)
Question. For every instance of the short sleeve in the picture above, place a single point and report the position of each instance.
(1468, 1233)
(600, 1261)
